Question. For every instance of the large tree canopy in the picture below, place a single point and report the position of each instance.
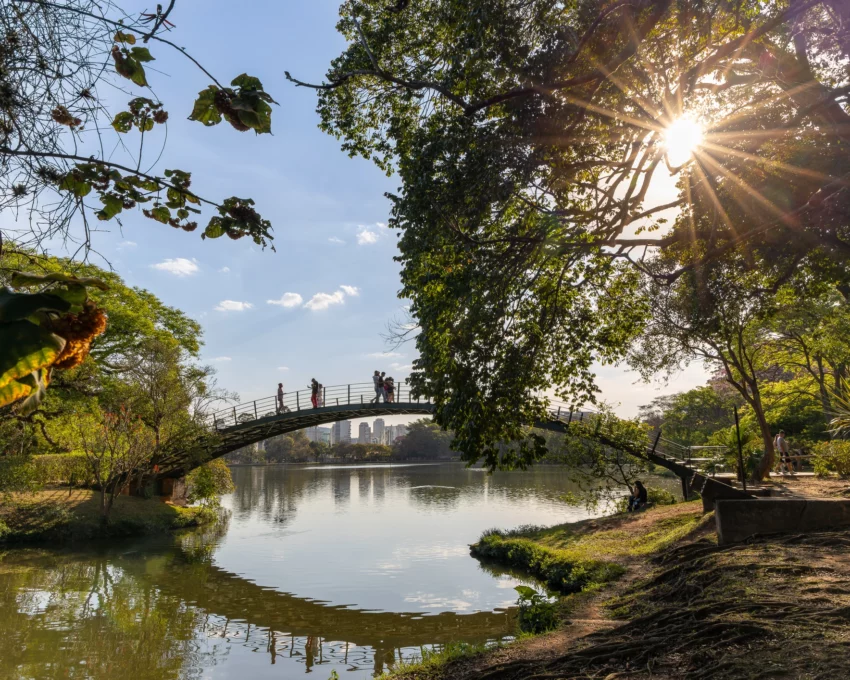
(531, 141)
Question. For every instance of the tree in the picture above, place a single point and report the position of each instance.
(209, 482)
(58, 61)
(529, 138)
(424, 440)
(690, 418)
(118, 448)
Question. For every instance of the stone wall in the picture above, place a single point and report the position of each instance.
(738, 520)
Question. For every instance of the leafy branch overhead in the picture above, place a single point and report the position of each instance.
(245, 105)
(65, 54)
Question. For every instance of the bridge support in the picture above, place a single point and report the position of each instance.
(173, 490)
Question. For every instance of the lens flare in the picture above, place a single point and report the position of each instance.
(682, 138)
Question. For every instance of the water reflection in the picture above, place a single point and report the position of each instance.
(318, 569)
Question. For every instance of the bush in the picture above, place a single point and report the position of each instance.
(17, 473)
(208, 483)
(560, 572)
(832, 457)
(536, 613)
(68, 469)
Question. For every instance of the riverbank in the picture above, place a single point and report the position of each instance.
(56, 515)
(661, 599)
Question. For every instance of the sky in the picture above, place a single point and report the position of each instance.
(319, 305)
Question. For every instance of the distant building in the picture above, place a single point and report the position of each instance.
(378, 430)
(365, 435)
(400, 431)
(318, 434)
(341, 432)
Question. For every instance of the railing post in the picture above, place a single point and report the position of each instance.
(558, 417)
(349, 394)
(581, 416)
(234, 416)
(215, 422)
(256, 416)
(361, 399)
(571, 417)
(298, 401)
(657, 437)
(325, 395)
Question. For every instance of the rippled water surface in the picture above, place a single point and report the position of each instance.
(317, 569)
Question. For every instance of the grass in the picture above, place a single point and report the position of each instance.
(581, 556)
(56, 515)
(431, 664)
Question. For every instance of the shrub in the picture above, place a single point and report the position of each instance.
(68, 469)
(560, 572)
(17, 474)
(209, 482)
(536, 613)
(832, 457)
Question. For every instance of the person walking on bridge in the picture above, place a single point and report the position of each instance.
(314, 392)
(280, 398)
(379, 387)
(389, 387)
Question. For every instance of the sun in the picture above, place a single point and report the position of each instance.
(682, 138)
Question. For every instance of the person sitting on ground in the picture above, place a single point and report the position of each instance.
(638, 499)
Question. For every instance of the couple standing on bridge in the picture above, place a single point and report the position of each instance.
(384, 387)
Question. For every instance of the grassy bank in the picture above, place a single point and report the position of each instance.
(579, 560)
(574, 557)
(56, 515)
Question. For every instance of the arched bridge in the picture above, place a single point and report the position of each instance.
(244, 424)
(247, 423)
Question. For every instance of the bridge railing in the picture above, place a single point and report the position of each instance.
(301, 400)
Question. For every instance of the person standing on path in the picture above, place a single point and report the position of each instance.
(280, 397)
(314, 393)
(376, 379)
(782, 448)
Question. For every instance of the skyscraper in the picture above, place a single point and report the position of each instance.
(365, 435)
(378, 430)
(341, 432)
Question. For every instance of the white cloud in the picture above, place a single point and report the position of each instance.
(385, 355)
(287, 300)
(221, 360)
(224, 270)
(127, 244)
(232, 306)
(179, 266)
(366, 237)
(401, 367)
(382, 225)
(283, 368)
(322, 301)
(334, 239)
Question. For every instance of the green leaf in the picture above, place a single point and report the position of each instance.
(525, 592)
(17, 306)
(76, 186)
(249, 118)
(112, 206)
(160, 214)
(74, 294)
(122, 37)
(215, 229)
(247, 82)
(204, 110)
(141, 54)
(12, 392)
(37, 382)
(123, 121)
(24, 348)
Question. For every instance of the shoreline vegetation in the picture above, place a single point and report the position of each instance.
(653, 595)
(60, 516)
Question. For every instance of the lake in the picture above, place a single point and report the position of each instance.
(316, 569)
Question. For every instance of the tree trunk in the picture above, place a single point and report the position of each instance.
(766, 464)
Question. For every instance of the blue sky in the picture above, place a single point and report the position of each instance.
(333, 277)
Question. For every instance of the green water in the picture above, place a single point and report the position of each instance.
(316, 569)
